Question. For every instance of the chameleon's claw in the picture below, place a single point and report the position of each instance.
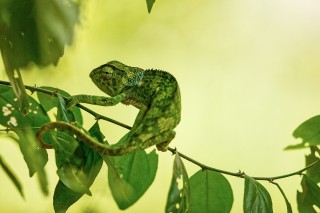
(71, 102)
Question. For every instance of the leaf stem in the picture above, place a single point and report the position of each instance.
(173, 151)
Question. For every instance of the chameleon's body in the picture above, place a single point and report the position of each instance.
(156, 93)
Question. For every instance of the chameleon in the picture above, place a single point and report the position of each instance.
(154, 92)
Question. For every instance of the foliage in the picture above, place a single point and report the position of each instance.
(29, 39)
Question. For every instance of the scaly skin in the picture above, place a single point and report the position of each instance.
(156, 93)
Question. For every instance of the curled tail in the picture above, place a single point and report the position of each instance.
(112, 150)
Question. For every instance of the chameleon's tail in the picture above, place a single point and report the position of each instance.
(112, 150)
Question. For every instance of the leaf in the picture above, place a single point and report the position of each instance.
(210, 192)
(10, 116)
(12, 176)
(309, 196)
(179, 193)
(78, 165)
(35, 157)
(130, 176)
(74, 178)
(18, 88)
(49, 102)
(309, 131)
(256, 197)
(314, 171)
(25, 127)
(150, 4)
(64, 197)
(36, 31)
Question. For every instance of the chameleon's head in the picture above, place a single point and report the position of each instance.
(114, 76)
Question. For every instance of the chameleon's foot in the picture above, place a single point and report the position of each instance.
(163, 146)
(71, 102)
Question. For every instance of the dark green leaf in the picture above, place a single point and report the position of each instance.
(150, 4)
(12, 176)
(130, 176)
(36, 31)
(256, 197)
(314, 171)
(64, 197)
(74, 169)
(49, 102)
(35, 157)
(309, 132)
(210, 192)
(179, 193)
(63, 113)
(25, 127)
(309, 196)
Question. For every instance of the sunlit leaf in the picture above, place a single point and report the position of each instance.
(309, 196)
(74, 178)
(256, 197)
(150, 4)
(130, 176)
(179, 193)
(36, 31)
(210, 192)
(64, 197)
(12, 176)
(309, 132)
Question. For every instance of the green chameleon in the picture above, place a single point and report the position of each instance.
(156, 93)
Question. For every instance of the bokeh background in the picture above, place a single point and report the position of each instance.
(248, 72)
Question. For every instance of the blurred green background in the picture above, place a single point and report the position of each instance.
(248, 73)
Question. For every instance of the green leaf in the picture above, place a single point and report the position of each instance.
(74, 178)
(49, 102)
(64, 197)
(25, 126)
(314, 171)
(18, 88)
(130, 176)
(309, 196)
(150, 4)
(11, 117)
(36, 31)
(309, 132)
(12, 176)
(179, 193)
(78, 165)
(35, 157)
(256, 197)
(210, 192)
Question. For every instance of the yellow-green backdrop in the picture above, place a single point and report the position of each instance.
(248, 72)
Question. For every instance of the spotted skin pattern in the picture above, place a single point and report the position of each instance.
(154, 92)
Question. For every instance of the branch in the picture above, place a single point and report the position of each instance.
(173, 151)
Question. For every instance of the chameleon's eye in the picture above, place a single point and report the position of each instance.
(107, 70)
